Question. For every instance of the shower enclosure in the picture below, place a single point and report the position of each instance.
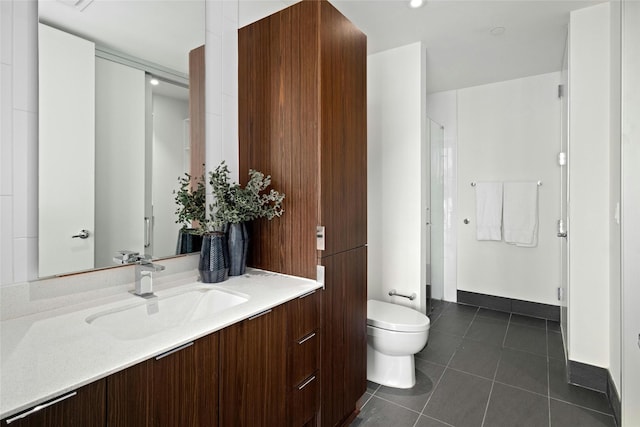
(435, 216)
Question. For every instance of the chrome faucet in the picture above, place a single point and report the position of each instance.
(144, 279)
(143, 269)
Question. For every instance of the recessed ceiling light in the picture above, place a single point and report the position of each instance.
(415, 3)
(154, 82)
(497, 31)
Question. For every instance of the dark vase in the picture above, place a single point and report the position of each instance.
(238, 241)
(214, 258)
(188, 241)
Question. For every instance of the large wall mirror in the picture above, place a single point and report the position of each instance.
(121, 117)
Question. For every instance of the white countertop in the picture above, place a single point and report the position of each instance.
(50, 353)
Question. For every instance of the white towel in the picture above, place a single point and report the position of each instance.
(520, 213)
(489, 211)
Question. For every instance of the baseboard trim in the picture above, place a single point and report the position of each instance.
(614, 399)
(510, 305)
(588, 376)
(598, 379)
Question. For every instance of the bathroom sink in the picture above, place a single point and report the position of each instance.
(157, 314)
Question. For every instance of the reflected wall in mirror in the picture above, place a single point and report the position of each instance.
(111, 144)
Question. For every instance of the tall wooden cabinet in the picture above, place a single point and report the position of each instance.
(302, 118)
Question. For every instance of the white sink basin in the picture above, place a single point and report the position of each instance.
(155, 315)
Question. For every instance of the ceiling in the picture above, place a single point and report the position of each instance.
(460, 49)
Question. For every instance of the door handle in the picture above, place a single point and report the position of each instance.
(84, 234)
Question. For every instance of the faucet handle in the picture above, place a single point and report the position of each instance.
(126, 257)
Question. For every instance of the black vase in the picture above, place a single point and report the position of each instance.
(214, 258)
(238, 241)
(188, 242)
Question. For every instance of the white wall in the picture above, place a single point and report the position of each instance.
(222, 86)
(120, 171)
(510, 131)
(630, 214)
(588, 225)
(395, 91)
(19, 145)
(443, 108)
(168, 153)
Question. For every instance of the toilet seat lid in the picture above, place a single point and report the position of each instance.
(395, 317)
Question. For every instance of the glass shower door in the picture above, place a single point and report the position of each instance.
(435, 279)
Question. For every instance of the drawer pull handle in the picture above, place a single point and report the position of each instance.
(175, 350)
(306, 383)
(40, 407)
(260, 314)
(307, 338)
(307, 294)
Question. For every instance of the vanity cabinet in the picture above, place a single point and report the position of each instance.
(178, 387)
(80, 408)
(304, 359)
(253, 371)
(263, 371)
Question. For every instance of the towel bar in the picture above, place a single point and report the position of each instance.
(411, 297)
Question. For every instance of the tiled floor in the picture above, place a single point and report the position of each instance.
(490, 369)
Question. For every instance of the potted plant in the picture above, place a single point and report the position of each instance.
(234, 206)
(191, 213)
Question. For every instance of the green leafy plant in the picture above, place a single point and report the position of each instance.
(234, 204)
(192, 202)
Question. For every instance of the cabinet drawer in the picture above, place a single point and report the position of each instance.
(305, 357)
(305, 400)
(305, 313)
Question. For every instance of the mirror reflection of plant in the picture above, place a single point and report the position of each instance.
(234, 204)
(191, 199)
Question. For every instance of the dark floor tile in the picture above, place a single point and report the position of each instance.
(459, 399)
(534, 322)
(440, 347)
(380, 413)
(553, 326)
(476, 358)
(510, 407)
(453, 323)
(524, 370)
(564, 414)
(555, 346)
(437, 308)
(561, 390)
(372, 387)
(494, 314)
(425, 421)
(487, 330)
(525, 338)
(427, 376)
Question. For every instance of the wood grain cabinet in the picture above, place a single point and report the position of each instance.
(80, 408)
(176, 388)
(253, 371)
(302, 119)
(304, 354)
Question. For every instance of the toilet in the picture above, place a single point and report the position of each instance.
(394, 334)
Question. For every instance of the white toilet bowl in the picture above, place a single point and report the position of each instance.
(394, 334)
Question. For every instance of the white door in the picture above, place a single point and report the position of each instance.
(66, 152)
